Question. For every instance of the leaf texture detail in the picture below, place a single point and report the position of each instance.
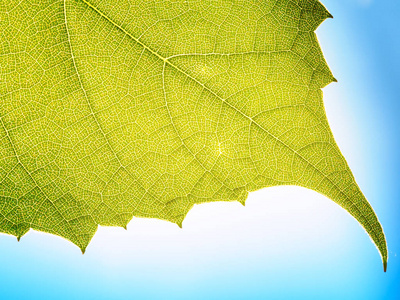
(114, 109)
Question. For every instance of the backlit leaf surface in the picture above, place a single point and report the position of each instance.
(114, 109)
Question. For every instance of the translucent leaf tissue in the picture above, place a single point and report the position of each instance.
(115, 109)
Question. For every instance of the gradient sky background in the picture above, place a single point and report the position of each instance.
(288, 242)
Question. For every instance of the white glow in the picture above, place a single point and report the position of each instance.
(277, 222)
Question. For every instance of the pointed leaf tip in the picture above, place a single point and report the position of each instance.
(384, 266)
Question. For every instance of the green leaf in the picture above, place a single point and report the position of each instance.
(114, 109)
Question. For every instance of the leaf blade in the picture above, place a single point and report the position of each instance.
(156, 125)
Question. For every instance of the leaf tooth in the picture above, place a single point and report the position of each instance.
(243, 197)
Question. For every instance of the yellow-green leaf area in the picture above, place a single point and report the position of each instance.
(115, 109)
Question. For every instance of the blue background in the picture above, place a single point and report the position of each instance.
(287, 243)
